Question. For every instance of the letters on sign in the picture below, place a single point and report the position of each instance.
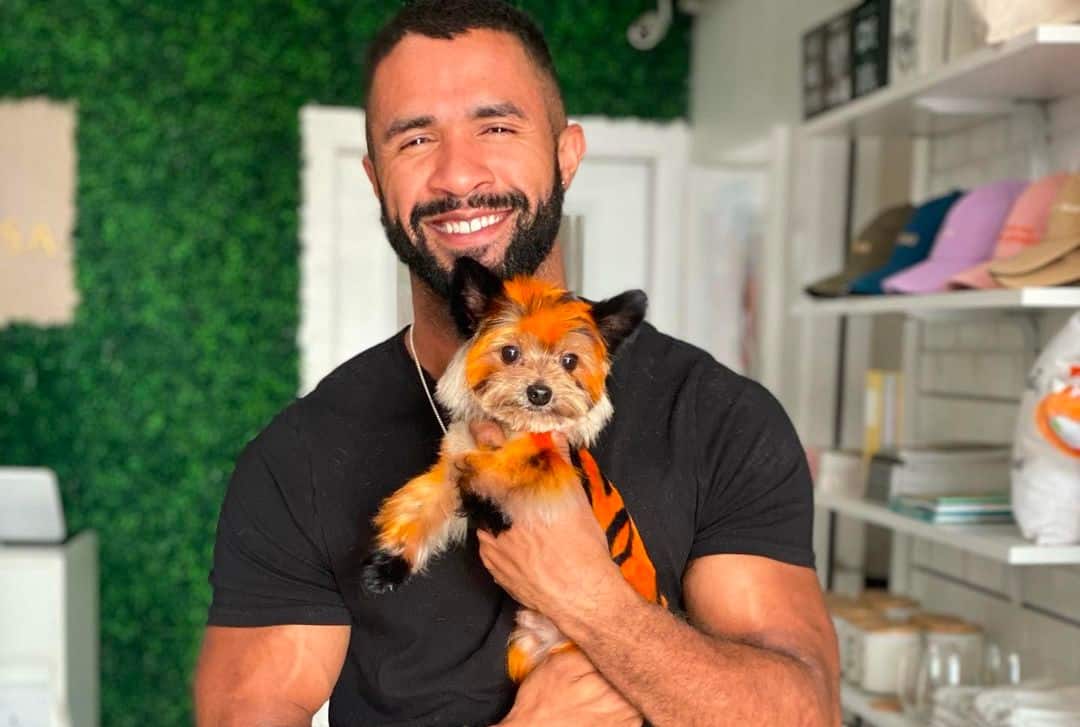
(39, 238)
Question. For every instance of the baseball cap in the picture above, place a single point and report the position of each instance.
(1055, 260)
(967, 237)
(869, 250)
(1026, 226)
(912, 244)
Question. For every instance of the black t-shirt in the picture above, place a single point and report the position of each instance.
(706, 461)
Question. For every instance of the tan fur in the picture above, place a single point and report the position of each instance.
(505, 403)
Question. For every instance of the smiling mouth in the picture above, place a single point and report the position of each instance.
(470, 226)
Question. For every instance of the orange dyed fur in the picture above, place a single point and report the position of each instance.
(638, 569)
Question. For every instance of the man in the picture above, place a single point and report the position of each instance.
(469, 152)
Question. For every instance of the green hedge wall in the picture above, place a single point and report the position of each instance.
(184, 344)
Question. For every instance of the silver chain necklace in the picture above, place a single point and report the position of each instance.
(423, 381)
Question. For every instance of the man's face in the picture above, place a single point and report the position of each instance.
(465, 157)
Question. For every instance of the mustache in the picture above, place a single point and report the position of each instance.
(507, 200)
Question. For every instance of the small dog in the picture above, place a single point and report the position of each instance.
(536, 361)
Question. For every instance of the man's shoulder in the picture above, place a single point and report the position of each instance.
(660, 373)
(360, 373)
(656, 360)
(359, 389)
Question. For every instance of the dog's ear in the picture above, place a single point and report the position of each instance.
(619, 317)
(473, 288)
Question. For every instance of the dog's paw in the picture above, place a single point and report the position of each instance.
(485, 514)
(383, 572)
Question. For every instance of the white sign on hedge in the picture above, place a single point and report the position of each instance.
(37, 212)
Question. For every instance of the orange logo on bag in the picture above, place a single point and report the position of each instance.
(1058, 414)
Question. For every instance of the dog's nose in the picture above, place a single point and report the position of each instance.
(538, 394)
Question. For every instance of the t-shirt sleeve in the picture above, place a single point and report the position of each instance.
(271, 566)
(755, 496)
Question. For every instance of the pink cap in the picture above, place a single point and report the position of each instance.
(1025, 227)
(966, 238)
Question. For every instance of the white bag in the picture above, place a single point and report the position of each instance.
(1005, 19)
(1046, 449)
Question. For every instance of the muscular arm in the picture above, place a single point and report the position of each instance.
(761, 650)
(273, 676)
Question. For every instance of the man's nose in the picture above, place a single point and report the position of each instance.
(460, 168)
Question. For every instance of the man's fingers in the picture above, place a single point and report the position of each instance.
(573, 663)
(561, 444)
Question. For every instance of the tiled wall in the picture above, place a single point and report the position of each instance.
(970, 379)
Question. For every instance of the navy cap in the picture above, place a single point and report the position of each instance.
(913, 244)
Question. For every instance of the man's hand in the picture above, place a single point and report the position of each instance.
(565, 689)
(563, 566)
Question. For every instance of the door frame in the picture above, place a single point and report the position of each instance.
(665, 149)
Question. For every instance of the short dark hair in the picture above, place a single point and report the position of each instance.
(447, 19)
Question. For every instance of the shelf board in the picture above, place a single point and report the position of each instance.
(861, 703)
(1002, 543)
(1039, 65)
(938, 303)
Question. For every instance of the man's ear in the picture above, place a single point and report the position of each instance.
(369, 169)
(570, 148)
(473, 288)
(619, 317)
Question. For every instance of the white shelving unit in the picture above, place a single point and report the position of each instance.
(1002, 543)
(862, 704)
(1036, 66)
(1029, 70)
(943, 303)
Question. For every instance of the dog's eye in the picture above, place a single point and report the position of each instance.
(569, 361)
(510, 354)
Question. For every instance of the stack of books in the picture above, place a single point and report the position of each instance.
(948, 468)
(967, 508)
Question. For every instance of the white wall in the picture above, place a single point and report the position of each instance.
(745, 101)
(745, 70)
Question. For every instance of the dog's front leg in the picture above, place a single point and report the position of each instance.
(420, 520)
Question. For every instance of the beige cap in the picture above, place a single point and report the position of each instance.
(1063, 270)
(1056, 259)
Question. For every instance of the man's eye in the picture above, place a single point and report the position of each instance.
(502, 129)
(414, 142)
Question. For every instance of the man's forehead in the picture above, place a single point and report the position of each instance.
(432, 76)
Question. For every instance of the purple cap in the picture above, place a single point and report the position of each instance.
(967, 238)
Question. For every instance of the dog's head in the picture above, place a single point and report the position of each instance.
(536, 357)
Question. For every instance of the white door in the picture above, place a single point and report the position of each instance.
(349, 278)
(629, 189)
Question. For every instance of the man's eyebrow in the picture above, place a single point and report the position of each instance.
(505, 108)
(400, 126)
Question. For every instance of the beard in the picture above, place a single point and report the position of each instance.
(530, 242)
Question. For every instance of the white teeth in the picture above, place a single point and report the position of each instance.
(464, 227)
